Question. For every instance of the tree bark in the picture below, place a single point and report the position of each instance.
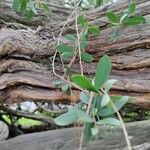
(25, 49)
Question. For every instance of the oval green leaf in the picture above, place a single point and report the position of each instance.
(66, 119)
(105, 100)
(83, 116)
(67, 54)
(64, 48)
(86, 57)
(84, 83)
(84, 97)
(70, 37)
(112, 17)
(135, 20)
(102, 71)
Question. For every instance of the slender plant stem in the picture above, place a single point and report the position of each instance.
(123, 127)
(78, 40)
(87, 112)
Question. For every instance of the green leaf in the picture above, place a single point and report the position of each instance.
(121, 102)
(16, 5)
(83, 44)
(67, 54)
(112, 17)
(66, 118)
(31, 5)
(64, 87)
(135, 20)
(87, 132)
(132, 7)
(105, 100)
(118, 104)
(86, 57)
(83, 116)
(114, 35)
(109, 84)
(99, 3)
(70, 37)
(94, 131)
(102, 71)
(23, 6)
(94, 29)
(82, 21)
(109, 121)
(97, 100)
(84, 97)
(84, 83)
(84, 36)
(64, 48)
(29, 14)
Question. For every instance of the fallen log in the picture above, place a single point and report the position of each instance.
(66, 139)
(4, 131)
(25, 52)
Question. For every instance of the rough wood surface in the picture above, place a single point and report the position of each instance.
(4, 131)
(26, 72)
(67, 139)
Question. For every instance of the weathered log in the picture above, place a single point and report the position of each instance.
(4, 131)
(66, 139)
(26, 71)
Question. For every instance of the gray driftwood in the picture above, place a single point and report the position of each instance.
(68, 139)
(4, 131)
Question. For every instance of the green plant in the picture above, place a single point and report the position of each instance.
(101, 108)
(96, 106)
(123, 19)
(28, 8)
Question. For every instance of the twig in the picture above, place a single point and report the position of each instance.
(123, 127)
(78, 40)
(87, 112)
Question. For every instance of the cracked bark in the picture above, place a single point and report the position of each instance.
(25, 67)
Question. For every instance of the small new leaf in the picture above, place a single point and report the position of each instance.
(105, 100)
(112, 17)
(82, 21)
(132, 7)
